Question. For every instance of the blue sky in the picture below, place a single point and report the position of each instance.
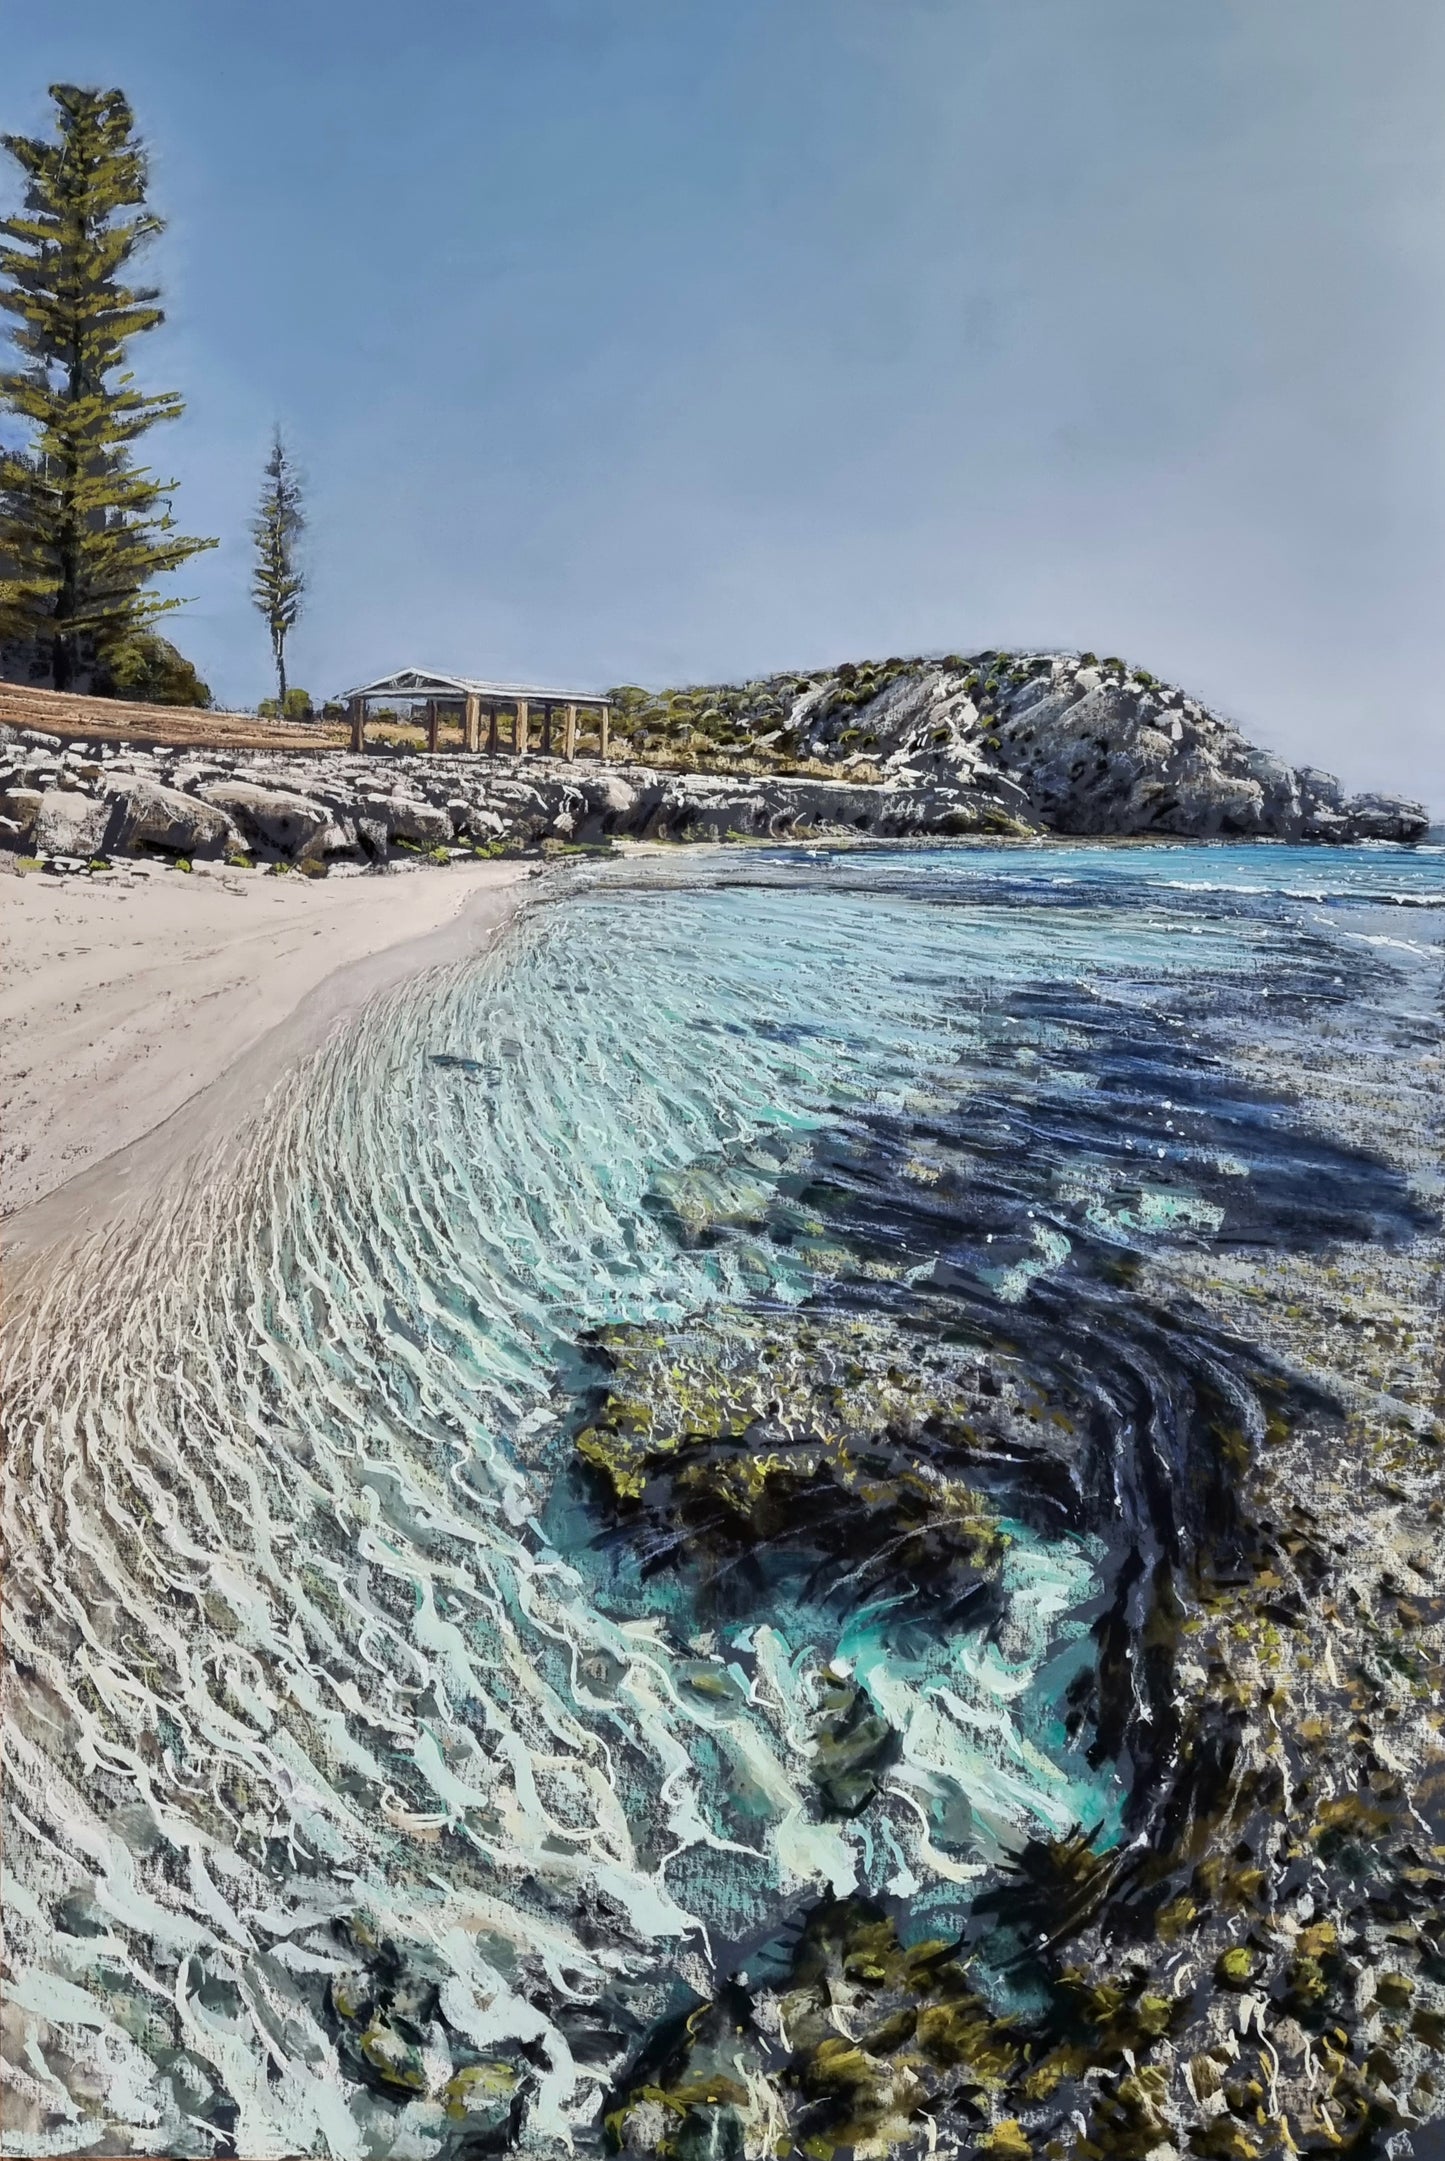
(669, 340)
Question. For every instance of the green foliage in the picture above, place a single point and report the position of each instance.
(278, 584)
(84, 531)
(148, 669)
(295, 706)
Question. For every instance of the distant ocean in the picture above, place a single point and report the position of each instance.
(321, 1639)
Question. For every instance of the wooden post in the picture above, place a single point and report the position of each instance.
(358, 724)
(604, 729)
(547, 729)
(431, 725)
(472, 725)
(491, 731)
(519, 729)
(569, 732)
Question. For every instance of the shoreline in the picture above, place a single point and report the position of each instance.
(137, 1026)
(193, 1021)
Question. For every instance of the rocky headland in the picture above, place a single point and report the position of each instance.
(992, 743)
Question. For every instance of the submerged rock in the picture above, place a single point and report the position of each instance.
(1256, 1968)
(852, 1743)
(796, 1444)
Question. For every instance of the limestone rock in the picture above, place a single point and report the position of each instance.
(341, 836)
(70, 824)
(992, 743)
(274, 817)
(20, 805)
(144, 811)
(611, 795)
(1385, 817)
(409, 819)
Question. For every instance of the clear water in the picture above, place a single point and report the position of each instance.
(305, 1620)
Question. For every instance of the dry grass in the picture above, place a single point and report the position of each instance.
(117, 720)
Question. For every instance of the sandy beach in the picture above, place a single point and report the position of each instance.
(130, 1004)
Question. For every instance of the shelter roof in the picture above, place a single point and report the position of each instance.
(430, 683)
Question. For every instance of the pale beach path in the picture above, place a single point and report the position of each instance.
(168, 1001)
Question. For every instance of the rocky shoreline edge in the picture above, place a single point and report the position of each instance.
(994, 745)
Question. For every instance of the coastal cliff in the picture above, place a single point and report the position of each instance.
(989, 744)
(1064, 743)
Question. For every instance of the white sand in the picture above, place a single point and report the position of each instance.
(125, 998)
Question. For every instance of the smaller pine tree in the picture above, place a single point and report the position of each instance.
(278, 584)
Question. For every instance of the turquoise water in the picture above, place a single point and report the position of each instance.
(293, 1531)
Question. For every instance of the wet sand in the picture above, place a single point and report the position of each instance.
(140, 1011)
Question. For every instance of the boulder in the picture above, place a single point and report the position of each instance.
(70, 824)
(341, 836)
(143, 811)
(271, 817)
(612, 795)
(20, 805)
(408, 819)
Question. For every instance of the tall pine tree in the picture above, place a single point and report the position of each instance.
(277, 581)
(83, 529)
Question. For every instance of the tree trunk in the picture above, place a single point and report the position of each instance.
(281, 680)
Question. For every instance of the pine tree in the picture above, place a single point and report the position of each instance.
(278, 584)
(83, 530)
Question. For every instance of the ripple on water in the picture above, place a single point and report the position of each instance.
(312, 1640)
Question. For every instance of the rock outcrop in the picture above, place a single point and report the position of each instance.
(997, 744)
(1082, 746)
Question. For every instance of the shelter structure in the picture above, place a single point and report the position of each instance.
(481, 707)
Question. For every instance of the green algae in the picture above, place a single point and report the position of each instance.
(777, 1432)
